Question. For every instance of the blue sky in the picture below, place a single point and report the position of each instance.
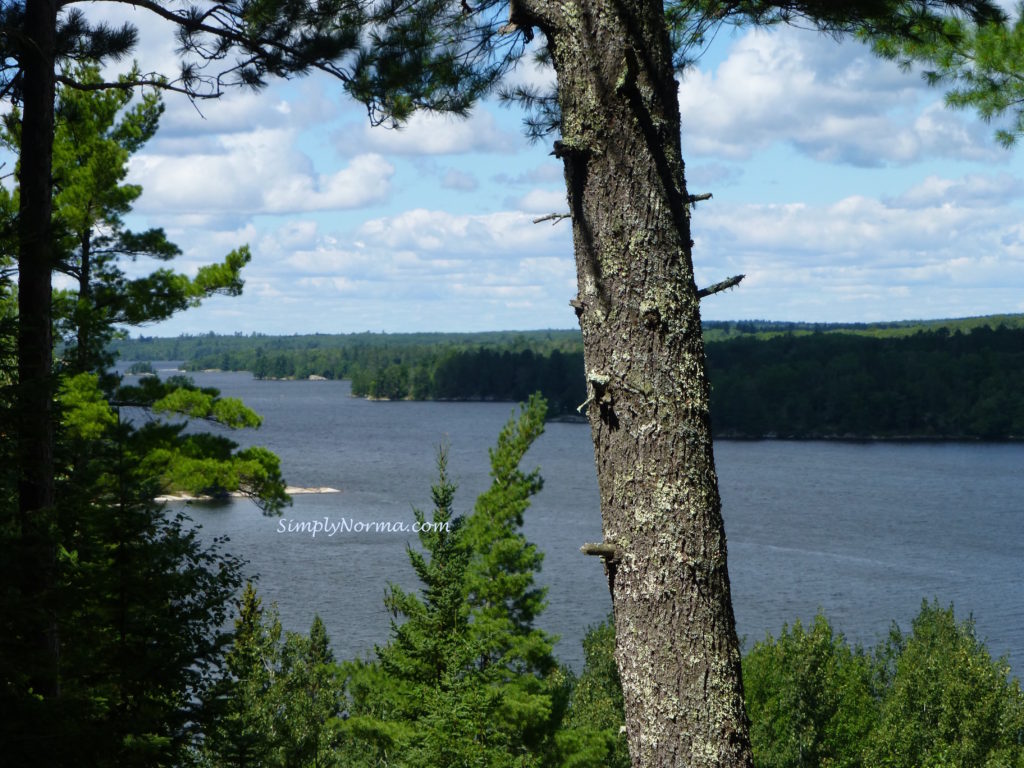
(843, 189)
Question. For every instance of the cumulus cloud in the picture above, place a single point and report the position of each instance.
(973, 190)
(542, 201)
(935, 251)
(835, 103)
(257, 172)
(462, 272)
(491, 235)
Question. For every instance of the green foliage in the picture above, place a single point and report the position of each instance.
(933, 697)
(936, 384)
(978, 61)
(132, 603)
(198, 463)
(87, 415)
(279, 702)
(947, 702)
(466, 679)
(593, 732)
(810, 698)
(139, 604)
(96, 133)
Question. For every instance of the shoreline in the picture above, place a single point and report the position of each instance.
(290, 490)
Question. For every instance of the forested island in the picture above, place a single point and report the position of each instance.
(956, 379)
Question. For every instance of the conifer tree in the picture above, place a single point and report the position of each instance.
(466, 678)
(96, 134)
(239, 734)
(132, 600)
(267, 38)
(140, 604)
(280, 699)
(977, 61)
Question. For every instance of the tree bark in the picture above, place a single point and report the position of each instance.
(35, 349)
(676, 644)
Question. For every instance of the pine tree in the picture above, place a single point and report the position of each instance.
(266, 38)
(97, 132)
(113, 609)
(978, 61)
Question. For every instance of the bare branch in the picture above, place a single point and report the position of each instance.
(731, 282)
(698, 198)
(610, 552)
(554, 218)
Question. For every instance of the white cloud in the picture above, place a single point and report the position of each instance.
(972, 190)
(835, 103)
(489, 235)
(937, 250)
(543, 201)
(257, 172)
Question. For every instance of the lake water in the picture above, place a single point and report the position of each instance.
(862, 531)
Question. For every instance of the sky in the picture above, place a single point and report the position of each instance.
(843, 189)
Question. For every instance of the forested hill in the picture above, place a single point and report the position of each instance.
(946, 380)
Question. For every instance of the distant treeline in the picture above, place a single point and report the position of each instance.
(768, 379)
(930, 385)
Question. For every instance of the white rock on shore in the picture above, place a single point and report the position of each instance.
(291, 490)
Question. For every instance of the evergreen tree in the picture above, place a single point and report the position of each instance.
(466, 678)
(978, 61)
(279, 701)
(267, 38)
(113, 610)
(96, 134)
(139, 605)
(239, 732)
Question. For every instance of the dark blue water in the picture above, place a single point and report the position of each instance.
(863, 532)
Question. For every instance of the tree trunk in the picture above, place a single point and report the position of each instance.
(35, 348)
(83, 306)
(676, 644)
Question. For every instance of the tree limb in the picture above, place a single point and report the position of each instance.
(731, 282)
(609, 551)
(554, 218)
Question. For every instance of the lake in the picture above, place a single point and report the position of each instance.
(862, 531)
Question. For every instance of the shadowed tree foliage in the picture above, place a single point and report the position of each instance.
(279, 701)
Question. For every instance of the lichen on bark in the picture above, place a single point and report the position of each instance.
(676, 643)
